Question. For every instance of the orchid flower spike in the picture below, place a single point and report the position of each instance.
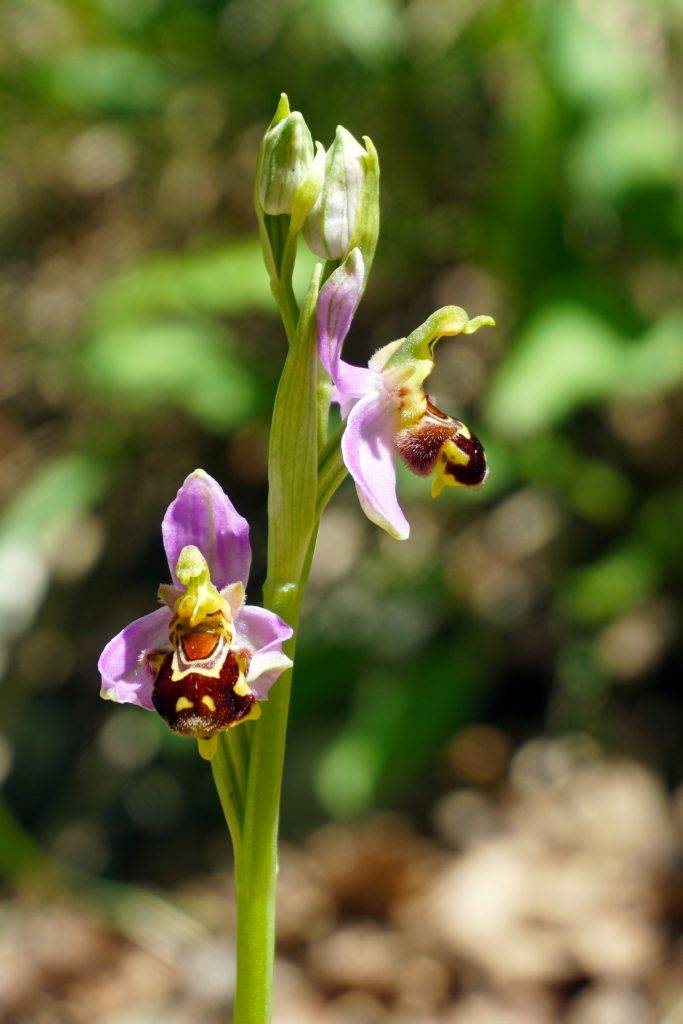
(386, 409)
(204, 659)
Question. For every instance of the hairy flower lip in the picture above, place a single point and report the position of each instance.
(420, 445)
(198, 705)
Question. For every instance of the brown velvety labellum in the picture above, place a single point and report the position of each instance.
(200, 645)
(474, 472)
(419, 446)
(199, 705)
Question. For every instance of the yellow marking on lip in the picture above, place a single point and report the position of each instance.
(252, 714)
(183, 704)
(241, 688)
(209, 702)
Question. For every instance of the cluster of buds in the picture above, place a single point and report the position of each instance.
(331, 196)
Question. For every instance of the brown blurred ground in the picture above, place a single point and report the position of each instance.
(550, 895)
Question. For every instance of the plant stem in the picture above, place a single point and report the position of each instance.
(281, 287)
(331, 471)
(258, 869)
(292, 523)
(256, 880)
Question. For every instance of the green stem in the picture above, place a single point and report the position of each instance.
(331, 470)
(292, 523)
(258, 870)
(282, 289)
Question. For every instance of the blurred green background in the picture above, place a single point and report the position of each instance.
(531, 154)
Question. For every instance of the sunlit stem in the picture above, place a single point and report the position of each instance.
(257, 872)
(292, 525)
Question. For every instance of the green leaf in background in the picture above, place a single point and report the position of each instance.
(392, 734)
(227, 280)
(56, 496)
(370, 29)
(623, 150)
(190, 365)
(593, 66)
(598, 490)
(614, 584)
(569, 356)
(104, 80)
(635, 569)
(58, 490)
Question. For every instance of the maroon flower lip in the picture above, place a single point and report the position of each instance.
(200, 705)
(474, 472)
(421, 445)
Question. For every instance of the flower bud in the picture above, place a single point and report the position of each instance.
(308, 189)
(346, 212)
(286, 156)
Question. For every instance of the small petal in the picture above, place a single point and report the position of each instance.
(382, 356)
(234, 595)
(264, 633)
(337, 303)
(168, 594)
(203, 516)
(264, 670)
(368, 451)
(336, 306)
(126, 677)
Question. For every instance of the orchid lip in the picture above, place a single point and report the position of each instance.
(200, 705)
(445, 446)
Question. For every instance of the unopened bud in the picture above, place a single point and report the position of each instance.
(346, 212)
(308, 189)
(286, 157)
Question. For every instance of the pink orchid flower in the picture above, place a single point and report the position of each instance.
(205, 658)
(386, 409)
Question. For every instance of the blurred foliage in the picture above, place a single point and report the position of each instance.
(531, 155)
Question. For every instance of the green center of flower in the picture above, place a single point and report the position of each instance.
(201, 599)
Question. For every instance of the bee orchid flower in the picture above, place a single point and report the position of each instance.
(204, 659)
(386, 409)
